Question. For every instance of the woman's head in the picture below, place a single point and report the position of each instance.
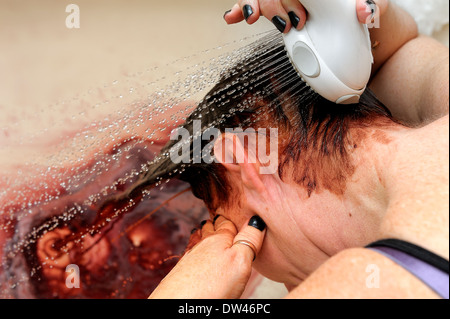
(314, 141)
(266, 92)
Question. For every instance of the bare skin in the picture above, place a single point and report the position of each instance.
(399, 190)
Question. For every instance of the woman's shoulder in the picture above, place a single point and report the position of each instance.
(361, 273)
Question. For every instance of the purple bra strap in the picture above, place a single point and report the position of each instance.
(433, 277)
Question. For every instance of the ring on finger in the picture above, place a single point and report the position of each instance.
(248, 244)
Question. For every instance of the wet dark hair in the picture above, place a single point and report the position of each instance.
(266, 91)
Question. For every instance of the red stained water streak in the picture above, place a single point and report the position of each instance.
(122, 250)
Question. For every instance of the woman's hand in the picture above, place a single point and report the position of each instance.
(219, 266)
(287, 13)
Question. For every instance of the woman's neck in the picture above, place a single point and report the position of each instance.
(378, 201)
(417, 184)
(354, 218)
(399, 188)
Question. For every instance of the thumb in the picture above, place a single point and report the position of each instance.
(370, 9)
(250, 239)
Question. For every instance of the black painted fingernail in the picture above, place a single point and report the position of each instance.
(203, 222)
(372, 6)
(226, 12)
(257, 222)
(247, 11)
(215, 218)
(295, 20)
(193, 231)
(279, 23)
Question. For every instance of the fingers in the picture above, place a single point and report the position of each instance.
(220, 225)
(283, 13)
(275, 12)
(207, 228)
(250, 239)
(287, 13)
(194, 239)
(247, 242)
(250, 10)
(247, 10)
(296, 13)
(224, 226)
(367, 10)
(235, 15)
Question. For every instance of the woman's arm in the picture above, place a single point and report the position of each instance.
(360, 273)
(410, 72)
(413, 82)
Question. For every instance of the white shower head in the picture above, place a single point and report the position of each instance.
(332, 53)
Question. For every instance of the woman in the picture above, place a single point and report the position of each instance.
(347, 178)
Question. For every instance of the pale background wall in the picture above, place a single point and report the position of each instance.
(42, 61)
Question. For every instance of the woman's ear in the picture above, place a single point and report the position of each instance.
(229, 151)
